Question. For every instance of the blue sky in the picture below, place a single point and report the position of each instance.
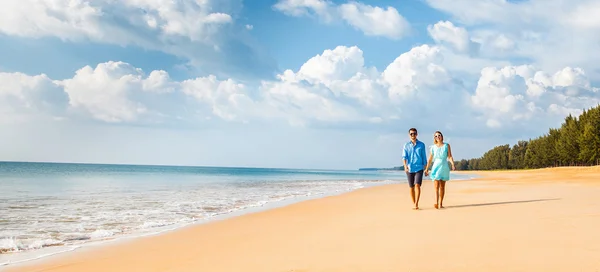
(287, 83)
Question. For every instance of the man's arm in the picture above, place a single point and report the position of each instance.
(424, 155)
(404, 158)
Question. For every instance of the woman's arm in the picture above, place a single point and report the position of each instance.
(450, 157)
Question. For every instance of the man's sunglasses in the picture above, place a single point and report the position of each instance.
(412, 133)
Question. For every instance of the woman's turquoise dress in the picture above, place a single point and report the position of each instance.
(440, 169)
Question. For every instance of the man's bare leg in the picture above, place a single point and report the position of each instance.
(412, 194)
(436, 184)
(442, 192)
(418, 193)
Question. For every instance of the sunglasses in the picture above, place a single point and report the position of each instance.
(412, 134)
(438, 136)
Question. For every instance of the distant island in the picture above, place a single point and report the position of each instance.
(396, 168)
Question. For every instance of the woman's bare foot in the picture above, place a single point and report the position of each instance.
(415, 208)
(435, 206)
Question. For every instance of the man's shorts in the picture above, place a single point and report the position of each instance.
(415, 178)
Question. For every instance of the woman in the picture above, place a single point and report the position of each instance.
(440, 154)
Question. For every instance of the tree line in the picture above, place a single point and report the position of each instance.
(575, 143)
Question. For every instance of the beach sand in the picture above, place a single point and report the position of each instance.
(537, 220)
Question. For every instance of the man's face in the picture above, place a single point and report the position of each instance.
(412, 134)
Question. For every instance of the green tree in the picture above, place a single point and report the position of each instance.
(589, 139)
(462, 165)
(576, 141)
(532, 153)
(548, 155)
(516, 155)
(567, 145)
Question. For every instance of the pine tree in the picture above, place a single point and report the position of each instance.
(567, 145)
(589, 139)
(516, 155)
(576, 141)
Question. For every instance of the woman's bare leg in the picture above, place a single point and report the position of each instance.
(436, 184)
(442, 192)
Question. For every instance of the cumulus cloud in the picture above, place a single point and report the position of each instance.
(375, 21)
(334, 88)
(114, 91)
(371, 20)
(525, 94)
(201, 32)
(445, 32)
(534, 30)
(76, 20)
(23, 95)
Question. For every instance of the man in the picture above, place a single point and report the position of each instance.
(415, 159)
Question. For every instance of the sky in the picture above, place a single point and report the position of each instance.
(287, 83)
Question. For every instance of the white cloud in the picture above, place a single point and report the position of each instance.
(341, 63)
(202, 33)
(108, 91)
(371, 20)
(117, 92)
(534, 30)
(525, 94)
(319, 8)
(226, 99)
(76, 20)
(22, 95)
(584, 15)
(495, 45)
(375, 21)
(445, 32)
(334, 88)
(419, 86)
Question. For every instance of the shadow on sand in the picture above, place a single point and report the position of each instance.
(501, 203)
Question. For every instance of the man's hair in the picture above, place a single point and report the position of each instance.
(413, 129)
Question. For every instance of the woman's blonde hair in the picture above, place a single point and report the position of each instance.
(435, 141)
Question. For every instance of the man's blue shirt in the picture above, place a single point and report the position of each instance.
(415, 156)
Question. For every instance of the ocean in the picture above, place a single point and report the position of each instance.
(48, 208)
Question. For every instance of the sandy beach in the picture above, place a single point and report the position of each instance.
(535, 220)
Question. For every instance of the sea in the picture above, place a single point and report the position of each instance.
(50, 208)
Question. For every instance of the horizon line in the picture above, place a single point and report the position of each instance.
(178, 165)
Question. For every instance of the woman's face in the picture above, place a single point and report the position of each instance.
(438, 137)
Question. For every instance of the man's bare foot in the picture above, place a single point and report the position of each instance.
(435, 206)
(441, 206)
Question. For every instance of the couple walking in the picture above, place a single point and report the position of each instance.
(416, 164)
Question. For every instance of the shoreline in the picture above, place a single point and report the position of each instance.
(301, 208)
(127, 239)
(39, 255)
(51, 252)
(42, 254)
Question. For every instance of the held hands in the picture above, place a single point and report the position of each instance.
(426, 172)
